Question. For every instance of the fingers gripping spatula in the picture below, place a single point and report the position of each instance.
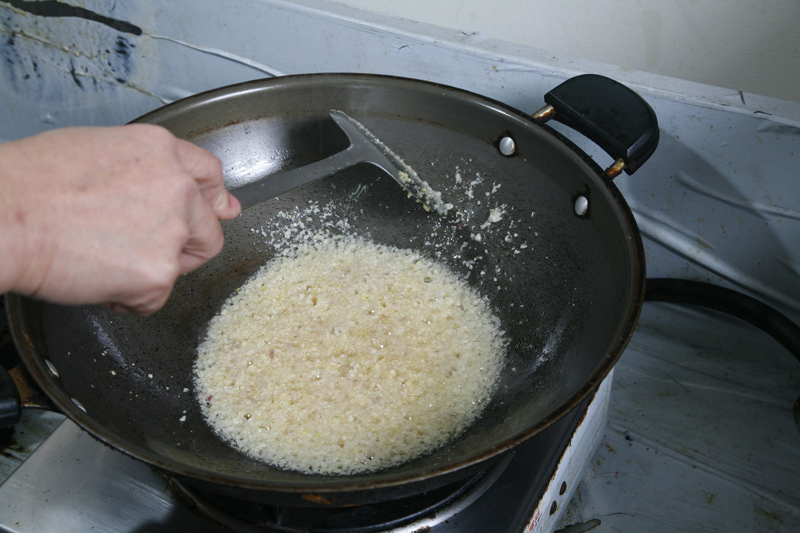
(364, 148)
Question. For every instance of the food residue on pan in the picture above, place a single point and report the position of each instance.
(408, 178)
(346, 356)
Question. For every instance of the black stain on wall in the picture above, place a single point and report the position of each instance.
(10, 57)
(122, 46)
(21, 56)
(122, 59)
(63, 62)
(51, 8)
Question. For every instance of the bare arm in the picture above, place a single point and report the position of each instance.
(107, 215)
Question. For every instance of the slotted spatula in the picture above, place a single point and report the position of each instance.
(364, 148)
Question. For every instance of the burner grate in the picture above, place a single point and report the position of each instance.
(371, 518)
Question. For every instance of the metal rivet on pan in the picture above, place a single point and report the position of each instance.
(51, 367)
(507, 146)
(581, 206)
(78, 404)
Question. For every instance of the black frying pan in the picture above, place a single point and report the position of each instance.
(563, 268)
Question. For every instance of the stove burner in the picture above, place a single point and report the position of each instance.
(371, 518)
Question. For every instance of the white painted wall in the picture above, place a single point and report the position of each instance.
(745, 45)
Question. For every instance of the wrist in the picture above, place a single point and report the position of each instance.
(13, 251)
(18, 238)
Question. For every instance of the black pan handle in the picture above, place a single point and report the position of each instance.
(755, 312)
(734, 303)
(608, 113)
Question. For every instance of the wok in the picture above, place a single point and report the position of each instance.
(563, 266)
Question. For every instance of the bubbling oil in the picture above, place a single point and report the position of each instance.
(346, 356)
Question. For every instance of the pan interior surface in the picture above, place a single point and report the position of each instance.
(564, 286)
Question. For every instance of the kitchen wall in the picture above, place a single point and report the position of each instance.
(105, 62)
(746, 45)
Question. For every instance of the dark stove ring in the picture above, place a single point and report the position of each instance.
(427, 509)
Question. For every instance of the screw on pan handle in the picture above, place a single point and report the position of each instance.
(608, 113)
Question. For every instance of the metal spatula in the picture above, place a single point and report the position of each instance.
(364, 148)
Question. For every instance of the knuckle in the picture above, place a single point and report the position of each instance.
(180, 191)
(215, 164)
(187, 189)
(159, 275)
(215, 246)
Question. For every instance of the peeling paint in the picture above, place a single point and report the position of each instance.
(62, 59)
(28, 45)
(49, 8)
(57, 58)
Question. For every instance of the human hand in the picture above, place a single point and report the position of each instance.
(108, 215)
